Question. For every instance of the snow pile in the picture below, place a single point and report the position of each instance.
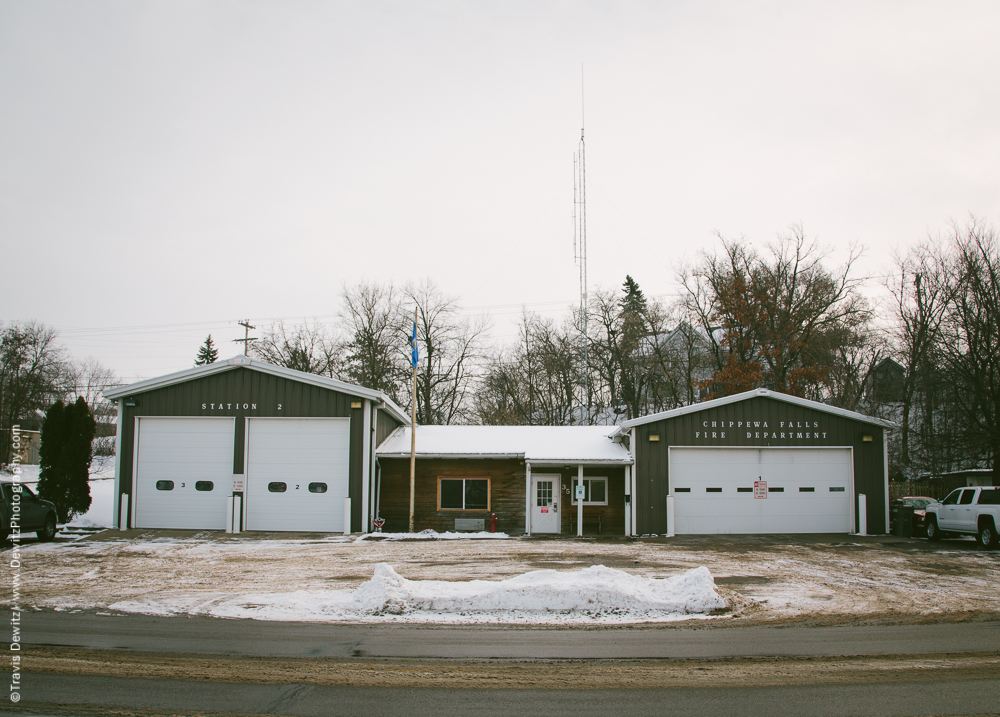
(596, 594)
(431, 535)
(593, 591)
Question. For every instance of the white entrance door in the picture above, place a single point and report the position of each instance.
(298, 473)
(545, 502)
(183, 472)
(808, 490)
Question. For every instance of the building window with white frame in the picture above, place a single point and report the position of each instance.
(595, 491)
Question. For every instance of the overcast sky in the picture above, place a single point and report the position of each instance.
(171, 167)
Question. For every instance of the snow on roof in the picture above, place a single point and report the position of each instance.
(536, 444)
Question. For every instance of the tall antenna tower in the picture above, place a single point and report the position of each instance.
(580, 249)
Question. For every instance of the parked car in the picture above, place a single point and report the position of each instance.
(37, 515)
(919, 504)
(966, 511)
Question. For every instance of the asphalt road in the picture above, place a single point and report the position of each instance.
(173, 697)
(204, 635)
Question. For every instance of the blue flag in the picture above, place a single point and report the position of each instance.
(414, 354)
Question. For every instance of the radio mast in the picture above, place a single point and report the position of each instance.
(580, 250)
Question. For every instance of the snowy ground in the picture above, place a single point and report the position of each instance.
(311, 577)
(102, 489)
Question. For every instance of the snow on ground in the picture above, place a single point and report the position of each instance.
(764, 578)
(432, 535)
(594, 595)
(102, 489)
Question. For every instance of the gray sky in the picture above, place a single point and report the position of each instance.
(176, 166)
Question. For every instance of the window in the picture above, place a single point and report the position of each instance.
(967, 496)
(775, 490)
(806, 490)
(463, 493)
(989, 497)
(317, 487)
(682, 490)
(595, 491)
(276, 487)
(837, 489)
(713, 490)
(164, 485)
(952, 498)
(744, 490)
(204, 485)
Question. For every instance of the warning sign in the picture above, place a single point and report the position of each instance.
(760, 489)
(239, 482)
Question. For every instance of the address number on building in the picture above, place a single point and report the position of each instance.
(760, 489)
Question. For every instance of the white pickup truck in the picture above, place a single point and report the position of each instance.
(972, 511)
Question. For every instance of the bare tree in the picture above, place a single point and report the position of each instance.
(451, 351)
(971, 338)
(308, 348)
(34, 372)
(373, 319)
(921, 292)
(90, 378)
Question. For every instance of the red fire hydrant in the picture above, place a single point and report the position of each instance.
(493, 522)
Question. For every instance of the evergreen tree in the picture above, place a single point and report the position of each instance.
(207, 353)
(50, 451)
(65, 455)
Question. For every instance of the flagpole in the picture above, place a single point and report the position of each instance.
(413, 420)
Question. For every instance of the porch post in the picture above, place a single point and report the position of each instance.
(579, 503)
(628, 500)
(527, 498)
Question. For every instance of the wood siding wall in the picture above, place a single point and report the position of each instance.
(824, 429)
(597, 519)
(506, 493)
(226, 394)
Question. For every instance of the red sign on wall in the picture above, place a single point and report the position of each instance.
(760, 489)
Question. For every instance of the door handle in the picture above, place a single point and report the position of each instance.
(555, 506)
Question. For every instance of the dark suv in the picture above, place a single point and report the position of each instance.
(36, 514)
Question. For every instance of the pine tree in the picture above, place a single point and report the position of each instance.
(51, 474)
(77, 455)
(207, 353)
(65, 455)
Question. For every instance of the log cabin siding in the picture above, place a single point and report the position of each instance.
(597, 519)
(506, 493)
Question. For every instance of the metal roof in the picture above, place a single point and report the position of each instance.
(255, 365)
(763, 392)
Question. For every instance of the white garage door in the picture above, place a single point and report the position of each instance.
(298, 471)
(808, 490)
(184, 472)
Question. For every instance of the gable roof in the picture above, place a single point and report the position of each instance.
(238, 362)
(537, 444)
(763, 392)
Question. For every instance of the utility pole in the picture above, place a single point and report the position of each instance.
(246, 336)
